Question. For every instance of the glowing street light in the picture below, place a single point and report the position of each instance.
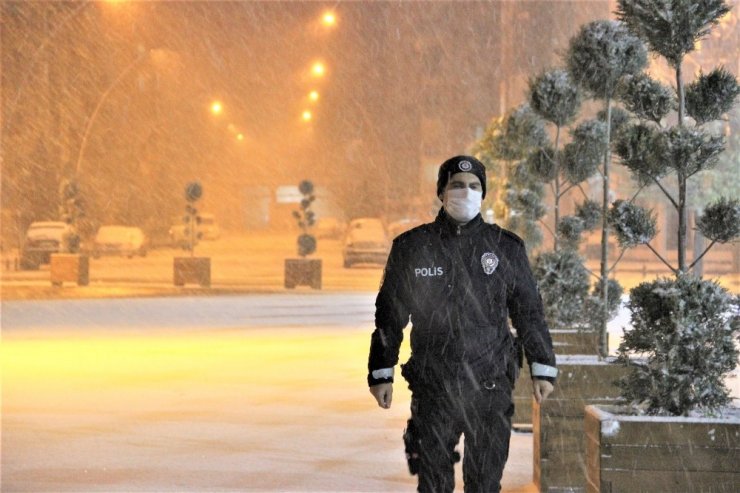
(329, 19)
(216, 107)
(314, 96)
(240, 137)
(318, 69)
(307, 116)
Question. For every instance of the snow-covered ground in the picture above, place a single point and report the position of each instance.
(237, 393)
(226, 393)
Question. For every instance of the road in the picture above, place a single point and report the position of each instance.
(248, 261)
(224, 393)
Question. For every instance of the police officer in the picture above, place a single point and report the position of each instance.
(459, 279)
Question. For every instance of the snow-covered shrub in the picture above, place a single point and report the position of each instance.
(647, 98)
(306, 218)
(555, 96)
(563, 282)
(585, 152)
(589, 211)
(632, 224)
(711, 95)
(721, 220)
(570, 230)
(685, 328)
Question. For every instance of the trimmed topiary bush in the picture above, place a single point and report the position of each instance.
(685, 329)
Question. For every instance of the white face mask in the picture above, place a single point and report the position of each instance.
(462, 204)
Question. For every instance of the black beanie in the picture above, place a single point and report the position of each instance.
(460, 164)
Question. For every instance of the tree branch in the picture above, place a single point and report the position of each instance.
(702, 254)
(624, 250)
(667, 194)
(546, 227)
(585, 195)
(637, 193)
(567, 189)
(675, 271)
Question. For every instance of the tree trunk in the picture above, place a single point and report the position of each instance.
(682, 212)
(557, 187)
(603, 336)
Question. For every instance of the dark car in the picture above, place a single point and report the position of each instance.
(42, 239)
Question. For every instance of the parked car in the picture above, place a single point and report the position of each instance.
(330, 227)
(42, 239)
(366, 242)
(120, 240)
(207, 229)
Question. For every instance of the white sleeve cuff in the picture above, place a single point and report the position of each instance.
(540, 370)
(383, 373)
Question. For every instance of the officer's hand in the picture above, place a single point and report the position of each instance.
(542, 389)
(383, 393)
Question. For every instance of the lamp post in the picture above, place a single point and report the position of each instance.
(143, 56)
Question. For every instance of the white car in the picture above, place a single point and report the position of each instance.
(42, 239)
(366, 242)
(120, 240)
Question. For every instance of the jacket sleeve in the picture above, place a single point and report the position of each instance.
(391, 316)
(528, 317)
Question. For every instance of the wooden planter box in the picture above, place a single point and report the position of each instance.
(565, 342)
(302, 272)
(196, 270)
(69, 267)
(660, 454)
(575, 342)
(557, 425)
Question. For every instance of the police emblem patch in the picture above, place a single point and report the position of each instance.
(490, 262)
(465, 166)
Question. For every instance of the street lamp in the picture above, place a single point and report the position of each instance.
(307, 116)
(313, 96)
(318, 69)
(329, 19)
(143, 56)
(216, 107)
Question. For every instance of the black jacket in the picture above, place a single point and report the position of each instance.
(458, 285)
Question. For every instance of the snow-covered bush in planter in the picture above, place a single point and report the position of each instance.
(685, 329)
(304, 271)
(686, 326)
(305, 218)
(192, 269)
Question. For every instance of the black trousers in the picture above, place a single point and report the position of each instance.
(483, 413)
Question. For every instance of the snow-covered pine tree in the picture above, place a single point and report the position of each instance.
(561, 274)
(599, 57)
(555, 97)
(685, 326)
(506, 141)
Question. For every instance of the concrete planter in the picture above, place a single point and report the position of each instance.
(69, 267)
(558, 439)
(195, 270)
(660, 454)
(302, 272)
(565, 342)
